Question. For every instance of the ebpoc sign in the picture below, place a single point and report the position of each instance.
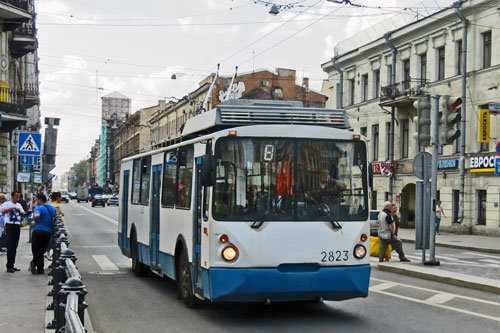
(482, 163)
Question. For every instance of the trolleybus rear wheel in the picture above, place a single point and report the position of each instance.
(184, 282)
(138, 267)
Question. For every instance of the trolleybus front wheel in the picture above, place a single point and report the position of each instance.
(184, 282)
(138, 267)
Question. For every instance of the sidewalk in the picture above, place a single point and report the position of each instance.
(480, 276)
(22, 294)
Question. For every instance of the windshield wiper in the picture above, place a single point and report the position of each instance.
(257, 224)
(325, 209)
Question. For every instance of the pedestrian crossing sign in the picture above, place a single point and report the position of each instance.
(29, 143)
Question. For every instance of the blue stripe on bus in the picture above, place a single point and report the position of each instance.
(167, 263)
(259, 284)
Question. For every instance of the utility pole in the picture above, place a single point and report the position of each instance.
(49, 149)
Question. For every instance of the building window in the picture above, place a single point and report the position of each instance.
(440, 72)
(374, 200)
(375, 142)
(386, 196)
(389, 74)
(364, 81)
(406, 74)
(456, 143)
(363, 131)
(339, 97)
(459, 57)
(481, 207)
(376, 84)
(455, 204)
(351, 91)
(486, 49)
(423, 67)
(387, 140)
(405, 128)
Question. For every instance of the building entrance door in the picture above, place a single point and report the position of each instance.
(407, 209)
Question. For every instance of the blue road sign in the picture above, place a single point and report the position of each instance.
(497, 166)
(26, 159)
(29, 144)
(26, 168)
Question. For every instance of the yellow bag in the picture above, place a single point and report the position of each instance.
(375, 248)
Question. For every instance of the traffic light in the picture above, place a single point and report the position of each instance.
(450, 116)
(423, 106)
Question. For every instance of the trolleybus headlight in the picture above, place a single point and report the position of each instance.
(359, 251)
(230, 253)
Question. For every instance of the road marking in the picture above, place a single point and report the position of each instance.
(440, 298)
(109, 219)
(490, 261)
(104, 263)
(481, 255)
(383, 286)
(431, 300)
(79, 214)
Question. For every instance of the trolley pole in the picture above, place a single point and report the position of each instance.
(435, 143)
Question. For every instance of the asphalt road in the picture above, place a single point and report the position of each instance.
(120, 302)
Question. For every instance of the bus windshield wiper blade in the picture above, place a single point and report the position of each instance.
(325, 209)
(257, 224)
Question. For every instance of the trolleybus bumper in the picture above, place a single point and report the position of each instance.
(290, 283)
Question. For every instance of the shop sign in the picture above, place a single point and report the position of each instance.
(494, 108)
(385, 169)
(447, 164)
(484, 126)
(482, 163)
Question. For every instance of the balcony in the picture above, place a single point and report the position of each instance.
(23, 40)
(403, 93)
(31, 95)
(14, 12)
(12, 107)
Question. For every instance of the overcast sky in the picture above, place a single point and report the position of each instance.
(89, 48)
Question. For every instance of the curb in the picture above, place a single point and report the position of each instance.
(433, 274)
(460, 247)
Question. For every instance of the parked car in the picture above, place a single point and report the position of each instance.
(106, 197)
(374, 224)
(64, 196)
(72, 195)
(113, 201)
(98, 201)
(82, 194)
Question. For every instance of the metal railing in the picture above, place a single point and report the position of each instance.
(21, 4)
(68, 292)
(25, 29)
(406, 88)
(12, 101)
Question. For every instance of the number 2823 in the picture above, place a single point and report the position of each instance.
(334, 256)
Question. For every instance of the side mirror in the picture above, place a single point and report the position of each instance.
(208, 167)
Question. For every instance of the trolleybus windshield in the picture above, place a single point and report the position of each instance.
(269, 179)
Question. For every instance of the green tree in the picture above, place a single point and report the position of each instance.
(80, 173)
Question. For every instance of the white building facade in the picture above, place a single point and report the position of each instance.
(428, 60)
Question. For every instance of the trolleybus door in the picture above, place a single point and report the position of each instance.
(155, 216)
(197, 225)
(124, 206)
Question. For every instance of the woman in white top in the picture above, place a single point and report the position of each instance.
(439, 211)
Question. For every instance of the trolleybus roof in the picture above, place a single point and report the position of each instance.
(244, 112)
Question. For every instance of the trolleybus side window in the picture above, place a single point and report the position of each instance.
(145, 179)
(184, 177)
(136, 182)
(169, 182)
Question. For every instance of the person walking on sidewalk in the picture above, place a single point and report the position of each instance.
(439, 211)
(12, 213)
(386, 233)
(42, 232)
